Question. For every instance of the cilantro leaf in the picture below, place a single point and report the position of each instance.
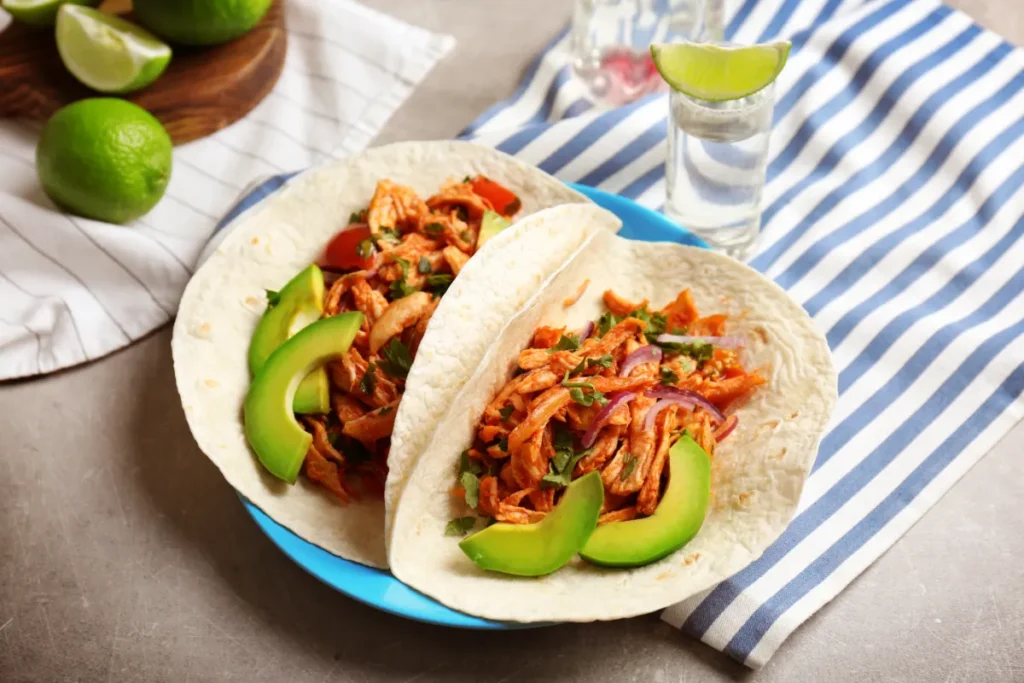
(567, 342)
(400, 288)
(503, 444)
(506, 412)
(587, 399)
(668, 377)
(699, 351)
(439, 284)
(273, 298)
(471, 483)
(561, 467)
(604, 361)
(562, 438)
(433, 229)
(368, 383)
(357, 217)
(459, 526)
(366, 248)
(469, 464)
(607, 321)
(424, 266)
(466, 236)
(578, 369)
(466, 179)
(397, 360)
(627, 467)
(389, 235)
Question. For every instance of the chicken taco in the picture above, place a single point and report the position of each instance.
(298, 344)
(639, 431)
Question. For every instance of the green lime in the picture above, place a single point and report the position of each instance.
(199, 22)
(719, 72)
(104, 158)
(39, 12)
(107, 53)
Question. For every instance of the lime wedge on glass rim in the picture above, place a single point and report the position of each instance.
(38, 12)
(718, 73)
(107, 53)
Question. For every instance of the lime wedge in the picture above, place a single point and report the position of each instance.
(107, 53)
(719, 73)
(38, 12)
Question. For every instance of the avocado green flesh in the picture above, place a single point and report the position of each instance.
(271, 429)
(491, 224)
(301, 303)
(674, 523)
(541, 548)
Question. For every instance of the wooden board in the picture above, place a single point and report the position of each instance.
(202, 91)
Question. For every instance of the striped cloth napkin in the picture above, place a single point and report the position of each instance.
(893, 212)
(73, 290)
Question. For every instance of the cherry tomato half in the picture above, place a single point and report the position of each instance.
(501, 198)
(350, 249)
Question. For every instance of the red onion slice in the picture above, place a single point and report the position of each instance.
(724, 342)
(725, 429)
(652, 414)
(587, 330)
(645, 354)
(601, 419)
(692, 397)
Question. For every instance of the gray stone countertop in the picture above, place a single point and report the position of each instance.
(125, 557)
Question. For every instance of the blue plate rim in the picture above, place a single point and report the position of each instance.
(295, 547)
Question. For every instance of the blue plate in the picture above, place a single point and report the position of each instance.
(379, 588)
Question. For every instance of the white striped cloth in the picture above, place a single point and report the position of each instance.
(73, 290)
(893, 211)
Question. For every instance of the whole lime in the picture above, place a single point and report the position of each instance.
(104, 158)
(199, 22)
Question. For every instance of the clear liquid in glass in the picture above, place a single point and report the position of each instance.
(715, 170)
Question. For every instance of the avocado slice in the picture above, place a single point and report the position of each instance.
(541, 548)
(491, 224)
(677, 519)
(299, 303)
(278, 439)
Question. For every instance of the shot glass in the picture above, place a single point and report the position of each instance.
(610, 41)
(715, 168)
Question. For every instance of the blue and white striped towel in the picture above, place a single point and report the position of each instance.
(894, 209)
(73, 290)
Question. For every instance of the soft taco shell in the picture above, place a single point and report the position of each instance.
(265, 248)
(757, 474)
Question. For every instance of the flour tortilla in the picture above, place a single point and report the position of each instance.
(757, 474)
(271, 243)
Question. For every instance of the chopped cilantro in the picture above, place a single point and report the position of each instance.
(424, 266)
(466, 236)
(466, 179)
(438, 284)
(668, 377)
(397, 359)
(357, 217)
(627, 467)
(576, 385)
(433, 229)
(368, 384)
(513, 207)
(503, 444)
(607, 321)
(567, 342)
(389, 235)
(506, 412)
(604, 361)
(469, 464)
(471, 483)
(700, 351)
(459, 526)
(587, 400)
(564, 461)
(365, 249)
(273, 298)
(400, 287)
